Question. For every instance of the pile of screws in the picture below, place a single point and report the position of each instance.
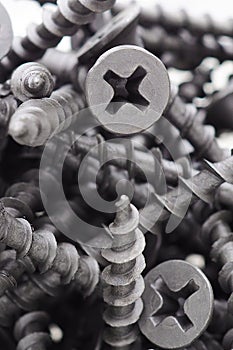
(116, 197)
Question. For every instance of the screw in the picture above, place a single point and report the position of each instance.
(31, 80)
(63, 20)
(221, 103)
(72, 67)
(195, 86)
(179, 19)
(124, 284)
(133, 89)
(12, 269)
(140, 164)
(178, 304)
(217, 232)
(203, 185)
(6, 32)
(31, 331)
(36, 120)
(202, 137)
(186, 51)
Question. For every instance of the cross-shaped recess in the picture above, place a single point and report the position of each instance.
(173, 303)
(126, 90)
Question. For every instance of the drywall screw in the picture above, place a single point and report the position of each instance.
(217, 231)
(31, 331)
(63, 20)
(139, 163)
(181, 19)
(228, 340)
(31, 80)
(12, 269)
(178, 304)
(222, 320)
(27, 296)
(202, 137)
(8, 106)
(186, 51)
(41, 247)
(195, 86)
(206, 342)
(33, 290)
(23, 199)
(223, 196)
(123, 283)
(133, 89)
(72, 67)
(36, 120)
(202, 185)
(6, 32)
(221, 103)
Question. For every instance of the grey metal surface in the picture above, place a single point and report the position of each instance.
(178, 304)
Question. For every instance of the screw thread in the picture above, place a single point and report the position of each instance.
(202, 186)
(11, 270)
(63, 20)
(35, 121)
(182, 18)
(202, 137)
(183, 53)
(31, 330)
(124, 284)
(218, 233)
(41, 247)
(31, 80)
(139, 164)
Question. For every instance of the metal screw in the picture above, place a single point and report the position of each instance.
(72, 67)
(30, 331)
(202, 137)
(6, 32)
(142, 165)
(178, 304)
(203, 185)
(133, 89)
(124, 284)
(63, 20)
(36, 120)
(217, 232)
(31, 80)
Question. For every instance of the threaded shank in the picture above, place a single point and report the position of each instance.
(124, 283)
(62, 20)
(35, 121)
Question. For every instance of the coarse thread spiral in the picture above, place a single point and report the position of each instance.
(31, 80)
(31, 331)
(181, 19)
(123, 282)
(184, 53)
(140, 164)
(62, 20)
(28, 295)
(217, 231)
(12, 269)
(203, 186)
(202, 137)
(35, 121)
(206, 342)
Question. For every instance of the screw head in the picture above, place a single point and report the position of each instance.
(6, 32)
(178, 304)
(127, 89)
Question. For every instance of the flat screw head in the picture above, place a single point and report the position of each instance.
(6, 32)
(178, 304)
(127, 89)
